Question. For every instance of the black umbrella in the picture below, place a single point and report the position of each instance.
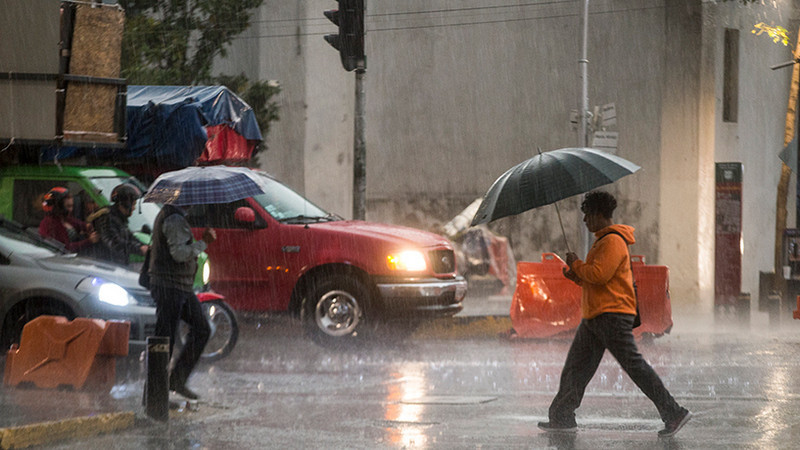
(549, 177)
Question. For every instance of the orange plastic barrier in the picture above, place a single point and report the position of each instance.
(54, 352)
(652, 288)
(545, 303)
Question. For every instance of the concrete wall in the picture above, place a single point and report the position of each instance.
(757, 136)
(458, 92)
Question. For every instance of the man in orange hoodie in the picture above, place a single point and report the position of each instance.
(608, 308)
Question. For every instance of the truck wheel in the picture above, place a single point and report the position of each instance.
(335, 309)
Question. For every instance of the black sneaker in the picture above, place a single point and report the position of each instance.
(552, 427)
(184, 391)
(673, 426)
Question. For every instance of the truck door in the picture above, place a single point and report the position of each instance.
(241, 266)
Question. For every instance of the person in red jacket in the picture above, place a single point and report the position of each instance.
(608, 308)
(59, 224)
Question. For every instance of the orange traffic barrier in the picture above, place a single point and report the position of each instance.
(796, 312)
(545, 303)
(652, 289)
(54, 351)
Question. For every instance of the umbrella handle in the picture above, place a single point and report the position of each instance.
(563, 233)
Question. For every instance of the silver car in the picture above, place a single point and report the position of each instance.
(38, 277)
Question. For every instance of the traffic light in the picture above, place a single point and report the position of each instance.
(350, 40)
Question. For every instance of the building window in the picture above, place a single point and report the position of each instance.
(730, 86)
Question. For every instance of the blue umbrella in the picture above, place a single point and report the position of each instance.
(549, 177)
(199, 185)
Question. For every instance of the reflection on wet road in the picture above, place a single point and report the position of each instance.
(279, 390)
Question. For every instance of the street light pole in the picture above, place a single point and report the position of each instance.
(583, 137)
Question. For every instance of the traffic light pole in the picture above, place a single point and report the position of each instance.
(360, 150)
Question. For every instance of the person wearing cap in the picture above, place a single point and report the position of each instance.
(59, 223)
(117, 242)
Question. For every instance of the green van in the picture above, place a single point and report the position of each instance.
(22, 188)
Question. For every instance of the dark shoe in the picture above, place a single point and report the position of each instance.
(675, 425)
(184, 391)
(552, 427)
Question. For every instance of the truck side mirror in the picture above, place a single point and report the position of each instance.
(245, 216)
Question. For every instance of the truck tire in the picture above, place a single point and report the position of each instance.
(335, 309)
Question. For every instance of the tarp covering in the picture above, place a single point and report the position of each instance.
(168, 121)
(170, 127)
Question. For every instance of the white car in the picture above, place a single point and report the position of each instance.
(37, 277)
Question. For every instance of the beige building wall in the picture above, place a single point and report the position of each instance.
(457, 92)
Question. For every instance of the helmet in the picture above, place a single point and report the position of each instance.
(53, 200)
(125, 194)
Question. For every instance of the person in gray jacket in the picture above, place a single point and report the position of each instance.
(173, 263)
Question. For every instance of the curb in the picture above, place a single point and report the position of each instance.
(466, 327)
(49, 432)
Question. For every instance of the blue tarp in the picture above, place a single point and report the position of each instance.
(165, 124)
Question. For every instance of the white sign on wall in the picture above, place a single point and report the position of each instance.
(605, 140)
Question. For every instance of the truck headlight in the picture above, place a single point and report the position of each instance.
(407, 261)
(206, 272)
(105, 291)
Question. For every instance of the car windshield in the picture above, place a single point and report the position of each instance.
(14, 239)
(286, 205)
(143, 214)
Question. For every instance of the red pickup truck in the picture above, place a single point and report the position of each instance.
(279, 252)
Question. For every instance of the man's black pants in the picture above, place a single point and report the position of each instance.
(615, 333)
(172, 306)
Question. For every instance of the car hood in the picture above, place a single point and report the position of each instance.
(90, 267)
(391, 233)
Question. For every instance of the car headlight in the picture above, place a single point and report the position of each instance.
(106, 292)
(206, 272)
(407, 260)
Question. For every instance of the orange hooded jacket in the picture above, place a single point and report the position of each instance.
(606, 278)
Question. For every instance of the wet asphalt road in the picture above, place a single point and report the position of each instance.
(279, 390)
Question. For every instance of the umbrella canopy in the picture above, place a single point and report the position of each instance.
(549, 177)
(204, 184)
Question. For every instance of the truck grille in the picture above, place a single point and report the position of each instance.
(444, 261)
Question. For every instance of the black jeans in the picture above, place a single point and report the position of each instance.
(172, 306)
(615, 333)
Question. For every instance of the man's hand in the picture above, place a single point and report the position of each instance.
(570, 275)
(209, 235)
(143, 249)
(571, 258)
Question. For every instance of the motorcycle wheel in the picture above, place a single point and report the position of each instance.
(224, 330)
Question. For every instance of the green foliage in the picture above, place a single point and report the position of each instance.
(175, 42)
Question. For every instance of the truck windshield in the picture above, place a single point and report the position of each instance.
(282, 203)
(143, 213)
